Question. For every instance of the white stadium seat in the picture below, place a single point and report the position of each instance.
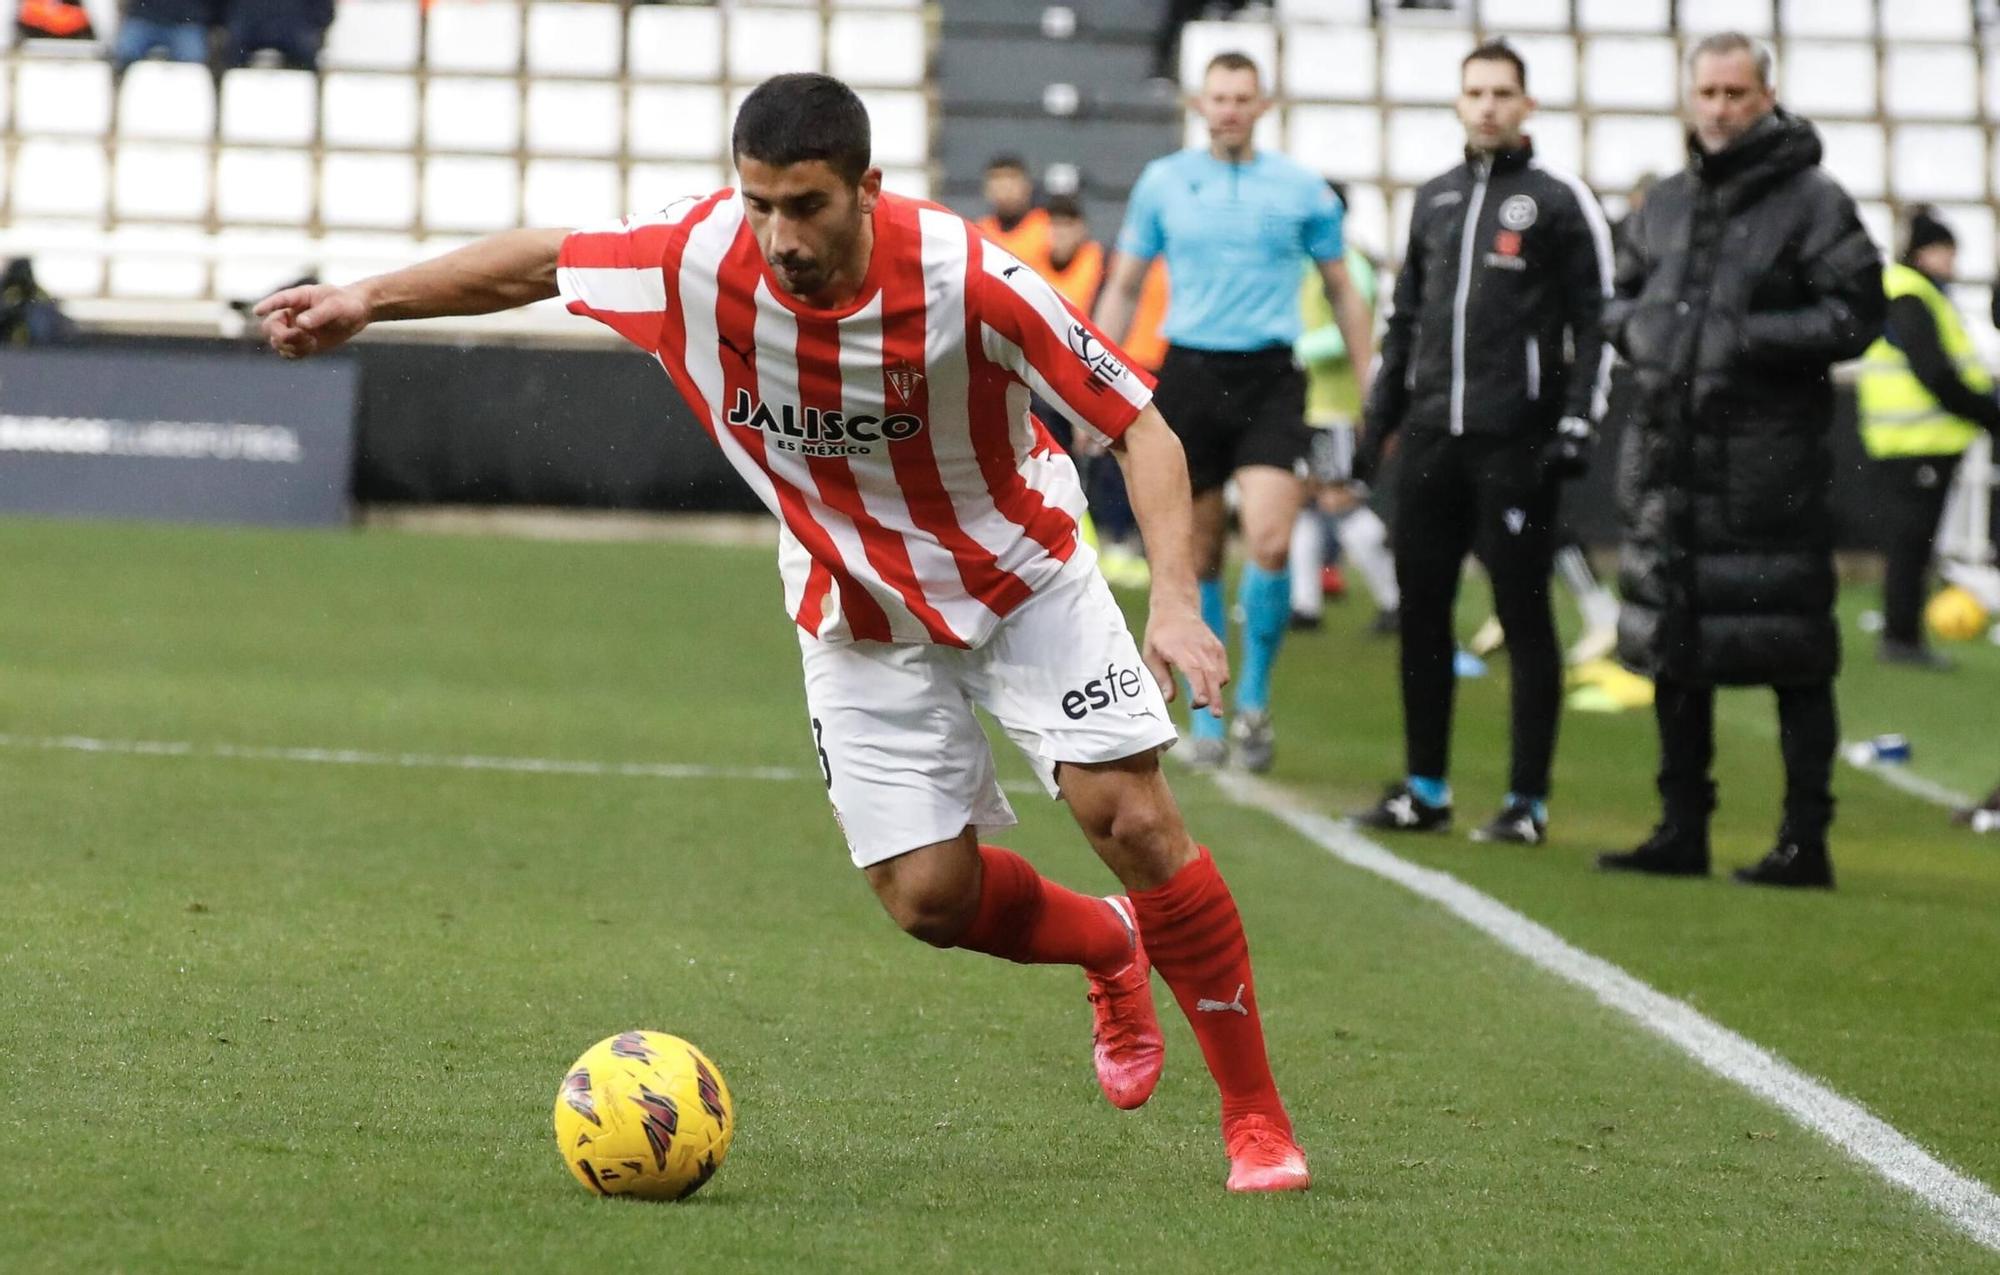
(167, 100)
(1697, 18)
(674, 42)
(1632, 73)
(571, 192)
(1201, 41)
(1346, 13)
(1366, 224)
(1423, 143)
(900, 124)
(1524, 15)
(59, 177)
(1844, 19)
(267, 187)
(1558, 138)
(650, 187)
(473, 194)
(347, 256)
(1989, 94)
(368, 190)
(162, 276)
(1857, 157)
(912, 183)
(1938, 161)
(1930, 81)
(1879, 220)
(765, 42)
(1624, 148)
(1422, 65)
(1974, 226)
(884, 49)
(574, 117)
(1551, 63)
(359, 108)
(1824, 79)
(1622, 15)
(70, 276)
(676, 121)
(280, 107)
(1329, 64)
(1927, 19)
(462, 114)
(473, 35)
(68, 98)
(373, 35)
(158, 181)
(1344, 142)
(251, 264)
(574, 37)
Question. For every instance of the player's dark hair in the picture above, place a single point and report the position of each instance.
(1498, 51)
(1007, 162)
(1063, 206)
(792, 119)
(1231, 60)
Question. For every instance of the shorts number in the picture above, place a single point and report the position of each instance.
(819, 746)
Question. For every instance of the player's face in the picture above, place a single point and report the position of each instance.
(1727, 97)
(1230, 104)
(1937, 260)
(1066, 235)
(1008, 192)
(1492, 105)
(808, 220)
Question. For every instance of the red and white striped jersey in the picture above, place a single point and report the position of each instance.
(920, 500)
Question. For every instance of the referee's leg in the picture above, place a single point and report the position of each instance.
(1433, 531)
(1516, 542)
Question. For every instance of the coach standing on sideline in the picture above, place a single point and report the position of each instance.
(1745, 277)
(1508, 264)
(1234, 223)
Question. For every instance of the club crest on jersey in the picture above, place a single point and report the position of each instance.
(904, 379)
(813, 431)
(1105, 369)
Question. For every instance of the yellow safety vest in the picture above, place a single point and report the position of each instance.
(1899, 417)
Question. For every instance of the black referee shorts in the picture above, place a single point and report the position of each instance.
(1232, 410)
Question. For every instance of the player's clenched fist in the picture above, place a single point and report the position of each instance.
(311, 319)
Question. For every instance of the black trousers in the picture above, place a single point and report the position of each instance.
(1912, 491)
(1490, 497)
(1808, 734)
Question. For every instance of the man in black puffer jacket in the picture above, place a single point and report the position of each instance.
(1742, 281)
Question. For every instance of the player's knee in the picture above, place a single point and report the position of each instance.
(935, 911)
(1140, 826)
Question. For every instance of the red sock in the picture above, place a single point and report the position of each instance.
(1195, 939)
(1026, 918)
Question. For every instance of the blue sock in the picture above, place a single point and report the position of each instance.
(1266, 599)
(1202, 723)
(1432, 792)
(1541, 808)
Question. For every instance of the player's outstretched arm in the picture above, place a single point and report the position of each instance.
(1156, 479)
(500, 272)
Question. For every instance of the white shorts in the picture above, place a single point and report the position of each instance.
(905, 761)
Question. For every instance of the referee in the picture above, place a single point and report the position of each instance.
(1508, 266)
(1234, 224)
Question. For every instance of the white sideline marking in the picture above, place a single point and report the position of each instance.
(1900, 776)
(1966, 1202)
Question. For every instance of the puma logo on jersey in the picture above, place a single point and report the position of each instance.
(1207, 1006)
(816, 432)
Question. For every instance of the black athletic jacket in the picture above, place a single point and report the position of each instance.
(1501, 294)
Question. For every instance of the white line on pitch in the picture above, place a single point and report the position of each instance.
(1966, 1202)
(425, 761)
(1902, 777)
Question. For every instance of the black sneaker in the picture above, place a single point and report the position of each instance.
(1401, 810)
(1304, 622)
(1669, 852)
(1969, 816)
(1916, 655)
(1792, 863)
(1516, 825)
(1386, 623)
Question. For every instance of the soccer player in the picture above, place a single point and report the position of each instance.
(864, 361)
(1234, 224)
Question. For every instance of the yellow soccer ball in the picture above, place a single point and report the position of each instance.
(644, 1114)
(1954, 615)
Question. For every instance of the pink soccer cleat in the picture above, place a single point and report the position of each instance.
(1263, 1156)
(1125, 1032)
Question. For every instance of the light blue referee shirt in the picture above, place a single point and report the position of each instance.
(1233, 235)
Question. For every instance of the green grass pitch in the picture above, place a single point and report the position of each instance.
(262, 1014)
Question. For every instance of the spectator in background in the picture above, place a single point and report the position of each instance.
(1740, 283)
(28, 314)
(1076, 262)
(179, 27)
(1924, 398)
(53, 20)
(293, 29)
(1175, 14)
(1013, 221)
